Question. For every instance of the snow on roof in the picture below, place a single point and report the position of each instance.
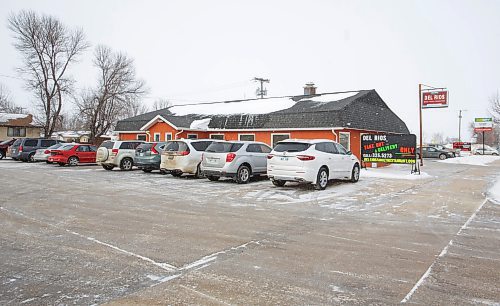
(254, 106)
(4, 117)
(201, 124)
(70, 134)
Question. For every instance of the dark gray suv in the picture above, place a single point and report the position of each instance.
(24, 149)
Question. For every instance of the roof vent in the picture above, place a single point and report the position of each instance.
(309, 89)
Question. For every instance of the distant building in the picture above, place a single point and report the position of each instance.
(72, 136)
(339, 116)
(18, 126)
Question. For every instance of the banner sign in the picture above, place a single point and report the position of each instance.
(483, 124)
(462, 146)
(391, 149)
(434, 99)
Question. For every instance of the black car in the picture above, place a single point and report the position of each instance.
(24, 149)
(433, 152)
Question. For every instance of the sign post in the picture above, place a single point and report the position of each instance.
(430, 98)
(483, 125)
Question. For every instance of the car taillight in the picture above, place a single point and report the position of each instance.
(114, 151)
(270, 156)
(305, 157)
(153, 149)
(184, 153)
(20, 148)
(230, 157)
(46, 152)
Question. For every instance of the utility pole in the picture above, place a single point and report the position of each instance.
(261, 92)
(460, 124)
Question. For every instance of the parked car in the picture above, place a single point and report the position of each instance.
(312, 161)
(73, 154)
(432, 152)
(456, 152)
(478, 150)
(148, 156)
(119, 153)
(239, 160)
(24, 149)
(4, 146)
(44, 154)
(183, 156)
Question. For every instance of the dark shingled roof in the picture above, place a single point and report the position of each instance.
(365, 110)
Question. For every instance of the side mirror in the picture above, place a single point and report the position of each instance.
(349, 153)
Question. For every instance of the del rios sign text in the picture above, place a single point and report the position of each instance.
(394, 149)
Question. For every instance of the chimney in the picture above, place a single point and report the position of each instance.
(309, 89)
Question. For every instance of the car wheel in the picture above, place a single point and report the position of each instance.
(355, 174)
(2, 154)
(322, 179)
(177, 174)
(199, 173)
(31, 158)
(108, 167)
(147, 170)
(243, 175)
(278, 183)
(442, 156)
(213, 178)
(126, 164)
(73, 161)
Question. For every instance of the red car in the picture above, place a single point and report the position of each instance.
(73, 154)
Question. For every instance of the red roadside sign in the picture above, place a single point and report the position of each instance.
(435, 99)
(462, 146)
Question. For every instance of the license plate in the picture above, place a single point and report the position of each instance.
(211, 160)
(141, 154)
(170, 157)
(284, 158)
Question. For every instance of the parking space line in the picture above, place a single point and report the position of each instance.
(443, 253)
(164, 266)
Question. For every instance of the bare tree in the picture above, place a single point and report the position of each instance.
(135, 108)
(495, 107)
(6, 103)
(118, 90)
(161, 104)
(48, 48)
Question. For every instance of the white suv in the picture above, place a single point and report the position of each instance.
(183, 156)
(313, 161)
(117, 154)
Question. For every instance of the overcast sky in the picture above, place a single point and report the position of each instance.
(190, 51)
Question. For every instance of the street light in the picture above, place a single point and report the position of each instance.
(460, 123)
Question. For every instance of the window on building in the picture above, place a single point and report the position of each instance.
(168, 136)
(157, 137)
(192, 136)
(16, 131)
(278, 137)
(246, 137)
(345, 140)
(217, 136)
(141, 137)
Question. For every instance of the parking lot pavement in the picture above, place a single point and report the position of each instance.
(85, 235)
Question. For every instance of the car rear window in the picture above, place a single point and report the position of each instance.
(17, 143)
(4, 142)
(66, 147)
(30, 143)
(201, 145)
(144, 147)
(224, 147)
(108, 144)
(291, 147)
(176, 146)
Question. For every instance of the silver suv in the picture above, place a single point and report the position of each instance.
(239, 160)
(183, 156)
(117, 154)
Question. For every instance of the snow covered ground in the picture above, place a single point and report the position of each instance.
(475, 160)
(494, 192)
(399, 172)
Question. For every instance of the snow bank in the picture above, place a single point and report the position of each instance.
(393, 172)
(494, 192)
(201, 124)
(332, 97)
(475, 160)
